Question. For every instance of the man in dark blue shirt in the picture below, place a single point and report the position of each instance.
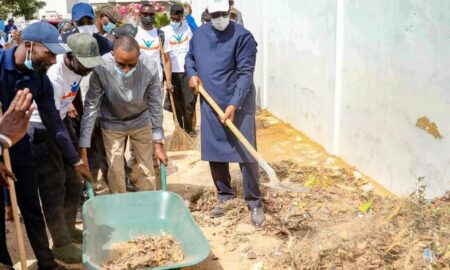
(24, 67)
(10, 26)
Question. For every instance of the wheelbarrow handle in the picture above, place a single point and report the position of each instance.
(89, 189)
(91, 194)
(163, 177)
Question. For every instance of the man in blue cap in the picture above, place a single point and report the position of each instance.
(24, 67)
(84, 19)
(59, 186)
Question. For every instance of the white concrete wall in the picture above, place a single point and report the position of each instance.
(356, 76)
(300, 66)
(59, 6)
(396, 70)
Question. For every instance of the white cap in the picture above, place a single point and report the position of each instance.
(218, 5)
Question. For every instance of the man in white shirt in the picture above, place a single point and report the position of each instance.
(177, 37)
(59, 187)
(148, 38)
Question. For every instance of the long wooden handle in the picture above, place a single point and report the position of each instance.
(15, 210)
(172, 103)
(230, 125)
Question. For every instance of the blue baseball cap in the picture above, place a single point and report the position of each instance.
(46, 34)
(80, 10)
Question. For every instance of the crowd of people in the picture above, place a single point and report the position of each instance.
(97, 83)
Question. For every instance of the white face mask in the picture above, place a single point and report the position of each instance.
(221, 23)
(88, 29)
(175, 25)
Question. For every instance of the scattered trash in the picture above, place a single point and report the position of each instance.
(367, 188)
(257, 266)
(357, 175)
(330, 161)
(365, 206)
(428, 257)
(250, 255)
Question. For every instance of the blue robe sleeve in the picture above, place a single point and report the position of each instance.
(190, 67)
(245, 65)
(52, 121)
(190, 20)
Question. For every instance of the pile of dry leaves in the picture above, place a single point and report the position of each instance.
(341, 223)
(145, 252)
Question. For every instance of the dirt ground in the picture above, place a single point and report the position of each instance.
(346, 221)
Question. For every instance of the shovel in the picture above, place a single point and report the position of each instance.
(274, 182)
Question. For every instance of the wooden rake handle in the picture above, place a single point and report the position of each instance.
(172, 103)
(15, 210)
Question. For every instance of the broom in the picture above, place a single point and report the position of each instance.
(180, 140)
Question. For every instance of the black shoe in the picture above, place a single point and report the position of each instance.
(130, 187)
(69, 254)
(217, 211)
(76, 235)
(258, 216)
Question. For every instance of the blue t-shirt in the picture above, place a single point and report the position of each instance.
(8, 28)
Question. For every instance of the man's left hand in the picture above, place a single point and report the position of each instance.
(83, 172)
(160, 154)
(229, 114)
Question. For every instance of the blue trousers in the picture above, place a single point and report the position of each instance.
(220, 172)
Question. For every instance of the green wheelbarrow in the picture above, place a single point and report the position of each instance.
(116, 218)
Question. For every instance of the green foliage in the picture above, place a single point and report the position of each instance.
(419, 195)
(26, 8)
(161, 20)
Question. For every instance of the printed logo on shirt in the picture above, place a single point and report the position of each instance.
(178, 39)
(150, 45)
(73, 90)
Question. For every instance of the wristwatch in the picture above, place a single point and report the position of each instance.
(79, 163)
